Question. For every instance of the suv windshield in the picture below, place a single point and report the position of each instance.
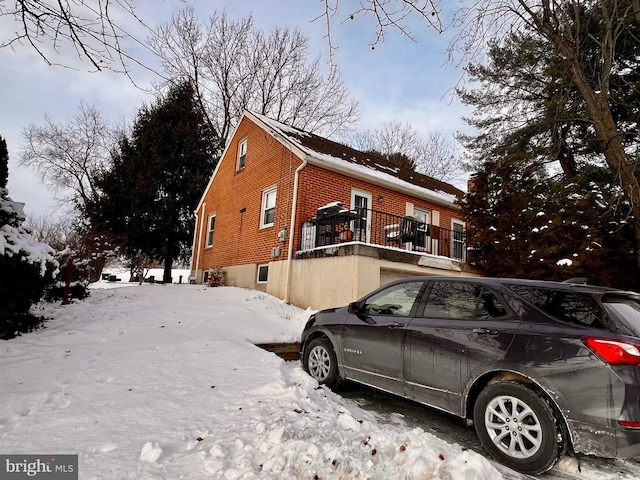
(625, 311)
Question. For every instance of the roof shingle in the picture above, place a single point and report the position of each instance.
(328, 147)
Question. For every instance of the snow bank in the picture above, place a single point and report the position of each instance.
(164, 382)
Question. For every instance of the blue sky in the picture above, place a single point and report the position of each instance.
(399, 80)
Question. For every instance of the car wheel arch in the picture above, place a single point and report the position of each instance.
(498, 376)
(327, 336)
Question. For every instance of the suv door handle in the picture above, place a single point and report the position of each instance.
(396, 325)
(485, 331)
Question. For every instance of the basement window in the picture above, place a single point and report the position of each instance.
(263, 273)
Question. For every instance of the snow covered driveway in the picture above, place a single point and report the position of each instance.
(164, 382)
(389, 409)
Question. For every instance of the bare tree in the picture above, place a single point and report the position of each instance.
(436, 155)
(72, 239)
(86, 26)
(235, 67)
(440, 157)
(53, 232)
(66, 157)
(384, 13)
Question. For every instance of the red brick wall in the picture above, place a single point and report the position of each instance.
(319, 187)
(238, 238)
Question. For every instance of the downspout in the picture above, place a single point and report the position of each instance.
(292, 230)
(192, 260)
(197, 265)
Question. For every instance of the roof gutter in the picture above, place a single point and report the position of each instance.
(294, 206)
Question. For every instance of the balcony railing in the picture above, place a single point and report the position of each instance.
(339, 225)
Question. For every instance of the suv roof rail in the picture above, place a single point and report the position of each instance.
(577, 280)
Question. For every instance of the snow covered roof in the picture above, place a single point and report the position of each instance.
(332, 154)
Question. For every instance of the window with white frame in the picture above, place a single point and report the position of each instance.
(268, 215)
(263, 273)
(242, 154)
(422, 229)
(361, 202)
(211, 225)
(457, 240)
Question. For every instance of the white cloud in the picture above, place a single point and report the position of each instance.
(398, 81)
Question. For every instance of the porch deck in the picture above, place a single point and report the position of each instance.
(338, 225)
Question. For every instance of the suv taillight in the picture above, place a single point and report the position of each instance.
(629, 424)
(614, 352)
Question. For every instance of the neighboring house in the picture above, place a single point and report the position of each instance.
(319, 224)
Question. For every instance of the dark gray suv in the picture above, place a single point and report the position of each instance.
(541, 368)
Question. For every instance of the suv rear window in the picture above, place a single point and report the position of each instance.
(563, 304)
(625, 311)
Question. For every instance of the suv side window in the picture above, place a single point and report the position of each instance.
(563, 304)
(397, 300)
(463, 301)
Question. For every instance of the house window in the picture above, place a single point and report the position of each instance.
(268, 207)
(422, 229)
(361, 203)
(263, 273)
(211, 225)
(457, 240)
(242, 154)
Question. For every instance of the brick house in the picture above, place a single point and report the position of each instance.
(320, 224)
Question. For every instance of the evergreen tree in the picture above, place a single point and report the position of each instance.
(535, 226)
(527, 103)
(157, 177)
(4, 163)
(532, 117)
(498, 211)
(27, 266)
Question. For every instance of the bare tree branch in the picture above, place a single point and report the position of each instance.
(66, 157)
(87, 26)
(386, 14)
(436, 155)
(235, 67)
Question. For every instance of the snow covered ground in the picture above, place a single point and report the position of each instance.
(164, 382)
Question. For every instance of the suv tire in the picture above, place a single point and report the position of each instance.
(518, 428)
(320, 361)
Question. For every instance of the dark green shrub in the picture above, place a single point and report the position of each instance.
(27, 267)
(21, 285)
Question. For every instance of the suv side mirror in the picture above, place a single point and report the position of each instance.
(357, 308)
(354, 308)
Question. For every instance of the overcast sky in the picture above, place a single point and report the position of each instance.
(399, 80)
